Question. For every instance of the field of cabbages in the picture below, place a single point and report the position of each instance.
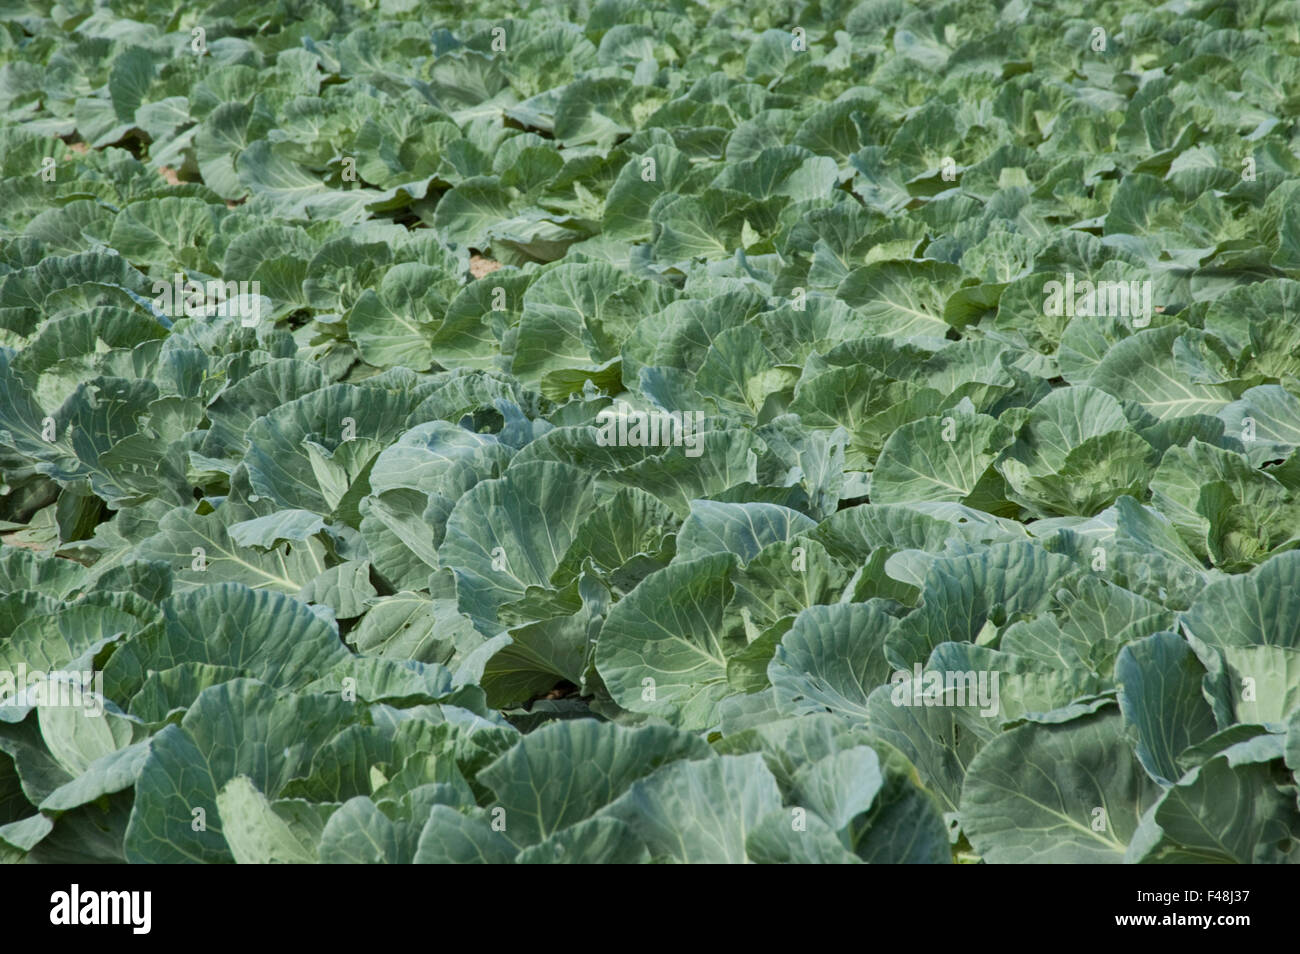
(649, 431)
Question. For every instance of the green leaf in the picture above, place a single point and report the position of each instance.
(1160, 695)
(256, 832)
(266, 635)
(831, 659)
(936, 458)
(565, 772)
(238, 728)
(663, 649)
(1064, 793)
(700, 811)
(1220, 814)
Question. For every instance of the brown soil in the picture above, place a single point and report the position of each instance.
(480, 266)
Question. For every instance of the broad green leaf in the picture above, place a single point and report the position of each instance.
(1056, 793)
(239, 728)
(700, 811)
(256, 832)
(1160, 695)
(663, 649)
(564, 773)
